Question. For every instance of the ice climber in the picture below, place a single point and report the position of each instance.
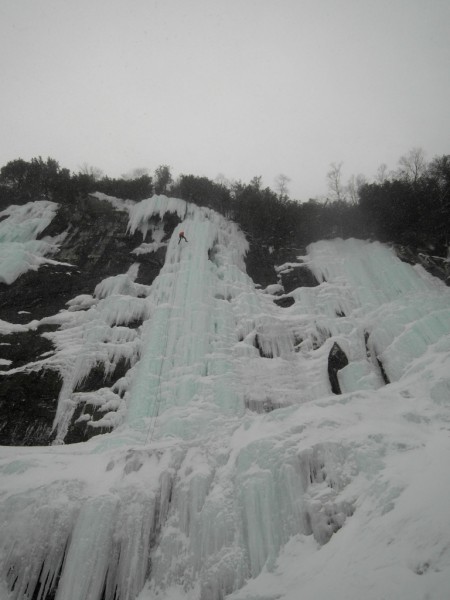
(181, 237)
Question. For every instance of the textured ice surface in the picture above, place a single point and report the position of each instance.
(233, 470)
(19, 249)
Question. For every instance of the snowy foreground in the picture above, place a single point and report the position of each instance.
(233, 470)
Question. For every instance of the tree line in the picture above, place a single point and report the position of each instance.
(22, 181)
(410, 206)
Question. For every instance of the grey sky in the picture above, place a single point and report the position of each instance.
(239, 87)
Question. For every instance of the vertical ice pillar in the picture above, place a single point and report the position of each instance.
(89, 553)
(179, 342)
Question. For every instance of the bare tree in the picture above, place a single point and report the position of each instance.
(412, 165)
(353, 186)
(382, 174)
(281, 184)
(222, 180)
(334, 181)
(94, 172)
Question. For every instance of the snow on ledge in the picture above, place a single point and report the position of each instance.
(141, 213)
(117, 203)
(274, 289)
(288, 267)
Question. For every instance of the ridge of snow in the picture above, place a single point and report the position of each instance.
(117, 203)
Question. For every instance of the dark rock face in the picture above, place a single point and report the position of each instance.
(27, 398)
(285, 302)
(337, 360)
(296, 277)
(25, 347)
(38, 294)
(96, 245)
(79, 431)
(261, 263)
(436, 265)
(28, 407)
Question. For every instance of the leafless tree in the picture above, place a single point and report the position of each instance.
(222, 180)
(92, 171)
(412, 165)
(353, 186)
(281, 185)
(382, 174)
(334, 181)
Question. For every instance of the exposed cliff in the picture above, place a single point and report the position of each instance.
(95, 244)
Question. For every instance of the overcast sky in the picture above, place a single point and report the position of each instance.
(238, 87)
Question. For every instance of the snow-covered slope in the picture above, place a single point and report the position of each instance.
(232, 469)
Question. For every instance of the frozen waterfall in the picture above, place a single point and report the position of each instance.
(233, 470)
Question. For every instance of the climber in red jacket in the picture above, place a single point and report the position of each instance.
(181, 237)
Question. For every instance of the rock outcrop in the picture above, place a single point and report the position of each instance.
(95, 245)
